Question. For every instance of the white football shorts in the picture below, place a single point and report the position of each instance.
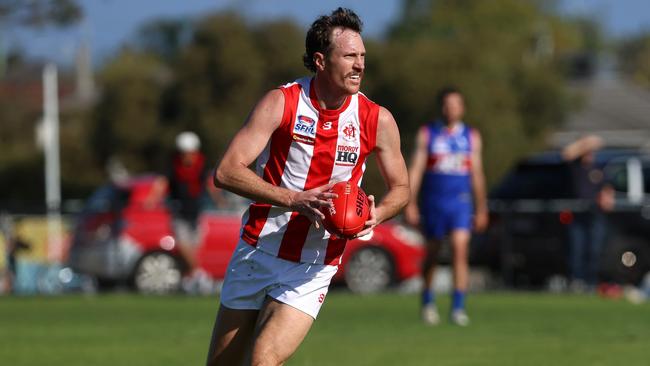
(253, 274)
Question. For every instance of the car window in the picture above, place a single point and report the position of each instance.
(536, 181)
(106, 198)
(616, 175)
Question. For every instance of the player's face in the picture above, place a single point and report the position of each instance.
(453, 107)
(345, 61)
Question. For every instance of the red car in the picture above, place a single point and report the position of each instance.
(120, 237)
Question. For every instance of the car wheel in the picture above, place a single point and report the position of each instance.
(628, 260)
(369, 270)
(158, 273)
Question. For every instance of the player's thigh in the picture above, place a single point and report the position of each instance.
(434, 226)
(280, 330)
(231, 336)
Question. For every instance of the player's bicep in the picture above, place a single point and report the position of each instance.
(389, 155)
(251, 139)
(477, 146)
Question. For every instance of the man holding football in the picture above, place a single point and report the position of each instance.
(304, 136)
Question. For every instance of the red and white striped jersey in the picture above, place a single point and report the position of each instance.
(311, 147)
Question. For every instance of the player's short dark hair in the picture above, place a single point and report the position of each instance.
(320, 33)
(443, 93)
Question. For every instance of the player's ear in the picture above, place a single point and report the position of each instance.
(319, 61)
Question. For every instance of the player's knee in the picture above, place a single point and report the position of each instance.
(461, 259)
(427, 263)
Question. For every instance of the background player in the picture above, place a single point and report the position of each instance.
(305, 136)
(446, 168)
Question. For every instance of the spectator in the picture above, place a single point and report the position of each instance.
(187, 181)
(588, 230)
(13, 244)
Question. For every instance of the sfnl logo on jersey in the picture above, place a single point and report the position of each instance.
(305, 130)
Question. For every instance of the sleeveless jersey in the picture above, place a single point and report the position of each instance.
(311, 147)
(448, 172)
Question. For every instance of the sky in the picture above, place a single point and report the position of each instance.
(108, 24)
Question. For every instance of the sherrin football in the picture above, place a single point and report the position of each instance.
(349, 211)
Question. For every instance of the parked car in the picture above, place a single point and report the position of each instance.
(119, 238)
(531, 208)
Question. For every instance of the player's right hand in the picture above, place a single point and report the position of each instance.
(310, 203)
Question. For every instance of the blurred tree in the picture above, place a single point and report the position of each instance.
(21, 163)
(205, 81)
(21, 169)
(634, 58)
(507, 56)
(501, 54)
(224, 70)
(164, 37)
(283, 41)
(126, 118)
(219, 77)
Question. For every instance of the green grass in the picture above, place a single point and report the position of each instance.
(507, 329)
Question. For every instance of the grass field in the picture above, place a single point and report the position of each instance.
(507, 329)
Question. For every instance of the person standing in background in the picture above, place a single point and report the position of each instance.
(13, 245)
(187, 182)
(588, 230)
(446, 170)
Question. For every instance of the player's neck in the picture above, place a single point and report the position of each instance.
(451, 125)
(326, 95)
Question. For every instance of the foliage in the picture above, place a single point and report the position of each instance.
(500, 54)
(207, 83)
(634, 56)
(126, 117)
(507, 57)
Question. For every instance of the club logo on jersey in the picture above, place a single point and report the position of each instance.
(347, 155)
(349, 131)
(440, 145)
(305, 130)
(452, 163)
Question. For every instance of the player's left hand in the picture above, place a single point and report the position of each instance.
(310, 202)
(372, 219)
(481, 221)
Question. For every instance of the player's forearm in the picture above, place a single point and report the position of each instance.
(394, 201)
(415, 182)
(415, 173)
(480, 197)
(244, 182)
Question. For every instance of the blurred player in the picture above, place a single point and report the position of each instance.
(446, 168)
(305, 136)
